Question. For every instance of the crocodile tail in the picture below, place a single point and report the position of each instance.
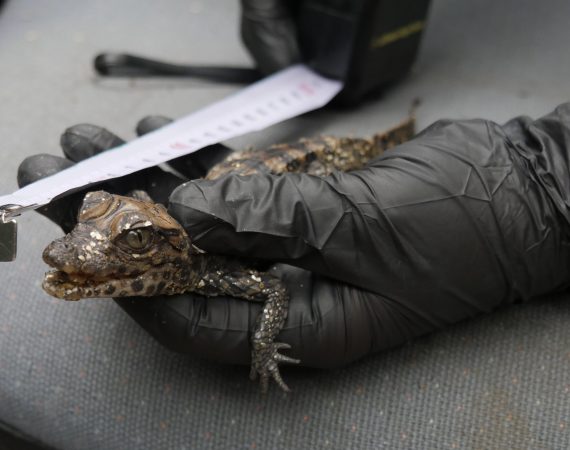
(395, 136)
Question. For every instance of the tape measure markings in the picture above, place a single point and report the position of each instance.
(287, 94)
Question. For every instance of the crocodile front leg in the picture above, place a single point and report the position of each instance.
(265, 354)
(253, 285)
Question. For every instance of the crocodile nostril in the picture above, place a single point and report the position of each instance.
(58, 252)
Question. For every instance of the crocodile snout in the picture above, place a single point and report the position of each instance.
(60, 254)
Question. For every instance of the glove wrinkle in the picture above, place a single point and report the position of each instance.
(545, 144)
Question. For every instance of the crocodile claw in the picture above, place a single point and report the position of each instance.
(265, 364)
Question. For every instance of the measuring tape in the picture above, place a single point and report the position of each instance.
(281, 96)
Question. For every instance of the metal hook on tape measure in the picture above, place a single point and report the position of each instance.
(10, 211)
(9, 230)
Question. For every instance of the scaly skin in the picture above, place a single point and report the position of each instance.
(317, 156)
(124, 246)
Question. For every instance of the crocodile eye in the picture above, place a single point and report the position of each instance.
(138, 238)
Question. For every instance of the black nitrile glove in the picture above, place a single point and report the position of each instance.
(269, 32)
(465, 218)
(83, 141)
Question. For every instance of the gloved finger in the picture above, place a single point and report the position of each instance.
(82, 141)
(219, 328)
(85, 140)
(269, 33)
(197, 164)
(329, 323)
(212, 328)
(194, 165)
(63, 210)
(151, 123)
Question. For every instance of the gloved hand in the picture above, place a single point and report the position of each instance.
(216, 328)
(269, 33)
(83, 141)
(464, 218)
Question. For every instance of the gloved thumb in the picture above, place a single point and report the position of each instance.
(289, 217)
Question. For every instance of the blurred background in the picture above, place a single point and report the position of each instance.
(85, 376)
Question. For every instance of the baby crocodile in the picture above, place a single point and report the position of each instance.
(125, 246)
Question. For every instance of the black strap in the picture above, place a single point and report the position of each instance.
(125, 65)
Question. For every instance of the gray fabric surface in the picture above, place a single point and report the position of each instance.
(84, 376)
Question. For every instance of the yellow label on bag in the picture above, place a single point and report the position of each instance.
(398, 34)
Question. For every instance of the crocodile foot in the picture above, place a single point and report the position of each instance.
(265, 359)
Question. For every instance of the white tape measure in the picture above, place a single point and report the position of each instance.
(281, 96)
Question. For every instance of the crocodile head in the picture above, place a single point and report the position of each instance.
(120, 247)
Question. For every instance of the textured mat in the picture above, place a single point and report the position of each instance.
(84, 376)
